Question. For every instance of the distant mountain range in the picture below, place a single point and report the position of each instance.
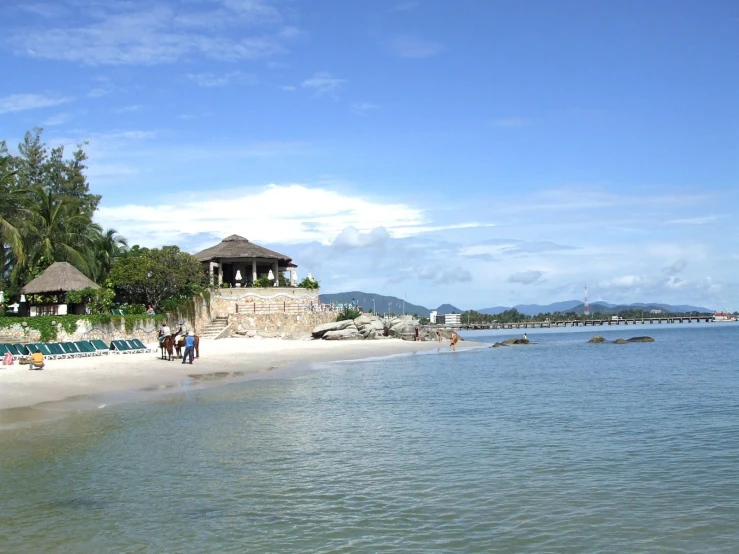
(392, 304)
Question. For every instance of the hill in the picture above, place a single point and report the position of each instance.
(383, 304)
(448, 309)
(578, 307)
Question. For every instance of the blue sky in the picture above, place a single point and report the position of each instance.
(476, 152)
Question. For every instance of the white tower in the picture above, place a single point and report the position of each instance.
(586, 311)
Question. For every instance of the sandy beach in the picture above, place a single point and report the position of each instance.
(62, 379)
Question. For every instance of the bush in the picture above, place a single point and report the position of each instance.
(348, 313)
(308, 284)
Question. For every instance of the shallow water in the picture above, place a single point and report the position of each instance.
(558, 446)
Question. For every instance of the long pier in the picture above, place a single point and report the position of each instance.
(585, 323)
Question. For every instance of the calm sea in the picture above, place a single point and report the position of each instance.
(558, 446)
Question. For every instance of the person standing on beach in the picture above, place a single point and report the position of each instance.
(438, 334)
(417, 333)
(453, 341)
(189, 348)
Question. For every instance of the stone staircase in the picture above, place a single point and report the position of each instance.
(216, 329)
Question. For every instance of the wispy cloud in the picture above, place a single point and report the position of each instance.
(129, 109)
(405, 6)
(136, 33)
(57, 119)
(323, 84)
(21, 102)
(694, 220)
(362, 108)
(413, 47)
(213, 80)
(526, 277)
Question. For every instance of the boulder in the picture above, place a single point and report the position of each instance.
(364, 319)
(620, 341)
(597, 339)
(320, 330)
(405, 330)
(498, 345)
(640, 339)
(343, 334)
(508, 342)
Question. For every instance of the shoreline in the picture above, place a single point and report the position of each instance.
(65, 380)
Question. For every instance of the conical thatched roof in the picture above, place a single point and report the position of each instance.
(59, 277)
(239, 247)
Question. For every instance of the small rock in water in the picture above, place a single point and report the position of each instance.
(597, 339)
(619, 341)
(640, 339)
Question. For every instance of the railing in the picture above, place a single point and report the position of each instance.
(283, 308)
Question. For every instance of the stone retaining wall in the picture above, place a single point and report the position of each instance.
(145, 330)
(277, 325)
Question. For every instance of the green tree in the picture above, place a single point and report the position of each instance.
(149, 276)
(105, 249)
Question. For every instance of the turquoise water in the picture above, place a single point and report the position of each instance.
(558, 446)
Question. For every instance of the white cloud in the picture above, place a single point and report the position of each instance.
(526, 277)
(624, 282)
(129, 109)
(413, 47)
(275, 214)
(351, 237)
(694, 220)
(20, 102)
(323, 84)
(677, 267)
(136, 33)
(99, 92)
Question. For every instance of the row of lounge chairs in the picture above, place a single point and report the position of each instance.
(77, 349)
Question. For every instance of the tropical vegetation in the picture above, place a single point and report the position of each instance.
(46, 216)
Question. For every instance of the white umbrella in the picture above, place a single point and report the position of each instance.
(2, 297)
(310, 276)
(23, 297)
(270, 275)
(238, 275)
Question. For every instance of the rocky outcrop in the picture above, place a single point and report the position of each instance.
(371, 327)
(350, 333)
(633, 339)
(319, 331)
(597, 339)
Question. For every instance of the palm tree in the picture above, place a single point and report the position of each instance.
(11, 244)
(52, 231)
(106, 247)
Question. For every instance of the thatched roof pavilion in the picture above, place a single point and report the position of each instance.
(237, 261)
(57, 278)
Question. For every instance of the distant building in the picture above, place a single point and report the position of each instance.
(452, 320)
(432, 317)
(656, 311)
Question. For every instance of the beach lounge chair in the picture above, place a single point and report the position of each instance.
(100, 346)
(43, 348)
(141, 346)
(22, 349)
(120, 347)
(86, 347)
(70, 350)
(56, 349)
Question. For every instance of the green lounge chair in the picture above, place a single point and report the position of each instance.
(3, 350)
(100, 346)
(135, 347)
(56, 349)
(141, 346)
(70, 349)
(86, 347)
(22, 349)
(44, 348)
(120, 347)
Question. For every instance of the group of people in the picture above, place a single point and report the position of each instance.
(184, 334)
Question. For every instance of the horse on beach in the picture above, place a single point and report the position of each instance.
(180, 345)
(167, 346)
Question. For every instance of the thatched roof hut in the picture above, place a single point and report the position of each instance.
(238, 262)
(235, 247)
(57, 278)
